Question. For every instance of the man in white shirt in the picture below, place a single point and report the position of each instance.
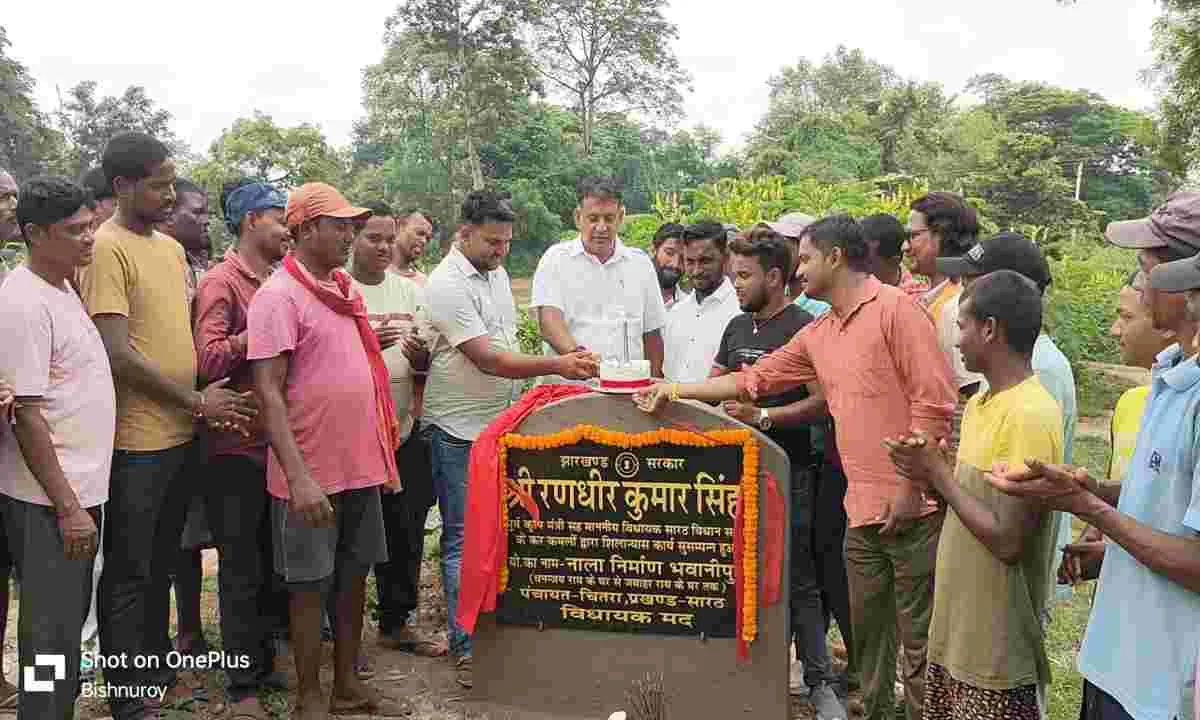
(474, 372)
(696, 324)
(595, 292)
(392, 301)
(668, 262)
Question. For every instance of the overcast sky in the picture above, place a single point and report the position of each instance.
(302, 61)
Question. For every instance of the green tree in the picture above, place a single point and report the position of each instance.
(461, 63)
(89, 122)
(848, 118)
(257, 147)
(28, 145)
(609, 56)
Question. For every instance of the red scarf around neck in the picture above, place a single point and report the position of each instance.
(350, 302)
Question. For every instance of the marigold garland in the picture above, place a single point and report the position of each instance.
(748, 491)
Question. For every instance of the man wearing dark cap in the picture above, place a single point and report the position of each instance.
(235, 490)
(332, 429)
(1139, 652)
(1013, 251)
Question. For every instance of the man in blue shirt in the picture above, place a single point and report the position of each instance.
(1139, 651)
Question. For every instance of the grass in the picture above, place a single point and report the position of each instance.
(1098, 391)
(1064, 636)
(1092, 453)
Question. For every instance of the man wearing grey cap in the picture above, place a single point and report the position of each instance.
(1147, 603)
(1171, 232)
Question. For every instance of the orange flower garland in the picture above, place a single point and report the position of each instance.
(748, 490)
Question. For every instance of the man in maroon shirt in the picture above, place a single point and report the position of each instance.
(235, 492)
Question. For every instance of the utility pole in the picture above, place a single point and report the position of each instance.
(1078, 179)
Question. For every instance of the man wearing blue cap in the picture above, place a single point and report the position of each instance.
(235, 493)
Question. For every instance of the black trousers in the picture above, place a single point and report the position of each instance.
(398, 581)
(148, 502)
(234, 490)
(54, 594)
(829, 548)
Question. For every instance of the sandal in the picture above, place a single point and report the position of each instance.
(374, 703)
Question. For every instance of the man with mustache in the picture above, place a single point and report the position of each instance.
(695, 324)
(760, 268)
(136, 292)
(392, 304)
(668, 262)
(595, 292)
(333, 433)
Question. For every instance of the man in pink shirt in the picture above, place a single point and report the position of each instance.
(55, 457)
(876, 355)
(332, 432)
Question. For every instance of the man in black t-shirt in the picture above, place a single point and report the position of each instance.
(760, 273)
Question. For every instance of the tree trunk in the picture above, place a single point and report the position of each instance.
(589, 119)
(473, 158)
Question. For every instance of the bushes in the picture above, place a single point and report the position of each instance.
(1081, 303)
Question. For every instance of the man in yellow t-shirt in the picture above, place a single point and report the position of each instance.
(136, 293)
(1140, 344)
(987, 656)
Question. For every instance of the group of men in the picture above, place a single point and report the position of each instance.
(316, 394)
(953, 415)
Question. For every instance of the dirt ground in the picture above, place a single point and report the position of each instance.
(428, 684)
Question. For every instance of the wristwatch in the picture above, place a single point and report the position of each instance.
(764, 420)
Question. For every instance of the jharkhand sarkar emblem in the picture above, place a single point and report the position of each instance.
(630, 533)
(627, 465)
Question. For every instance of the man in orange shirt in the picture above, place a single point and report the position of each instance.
(877, 357)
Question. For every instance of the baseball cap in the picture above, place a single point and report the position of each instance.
(1174, 224)
(314, 200)
(250, 198)
(1003, 251)
(1177, 276)
(791, 225)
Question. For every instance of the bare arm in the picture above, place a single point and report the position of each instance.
(553, 327)
(78, 530)
(1174, 557)
(131, 367)
(1002, 529)
(518, 366)
(37, 447)
(655, 351)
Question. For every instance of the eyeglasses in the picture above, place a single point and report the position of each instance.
(914, 233)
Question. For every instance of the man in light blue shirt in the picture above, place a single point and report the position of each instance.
(1139, 651)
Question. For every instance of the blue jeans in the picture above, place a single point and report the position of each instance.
(450, 457)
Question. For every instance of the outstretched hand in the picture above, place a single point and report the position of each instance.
(1058, 487)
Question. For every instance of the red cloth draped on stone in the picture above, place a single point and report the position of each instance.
(485, 547)
(771, 555)
(350, 303)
